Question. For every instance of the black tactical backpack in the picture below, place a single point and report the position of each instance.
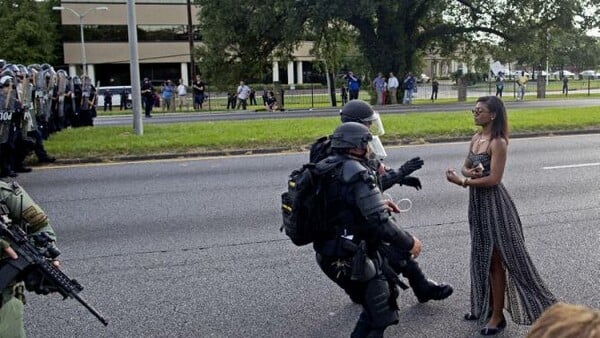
(320, 150)
(303, 205)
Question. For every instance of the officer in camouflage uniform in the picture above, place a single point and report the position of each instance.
(21, 209)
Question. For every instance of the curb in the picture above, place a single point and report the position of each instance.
(275, 150)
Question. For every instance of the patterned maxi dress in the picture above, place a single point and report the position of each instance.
(494, 222)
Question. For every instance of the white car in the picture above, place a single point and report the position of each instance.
(565, 73)
(589, 74)
(517, 73)
(423, 78)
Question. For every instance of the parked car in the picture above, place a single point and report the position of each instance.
(568, 74)
(423, 78)
(589, 74)
(116, 96)
(517, 73)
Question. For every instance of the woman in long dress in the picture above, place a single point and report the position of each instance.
(502, 273)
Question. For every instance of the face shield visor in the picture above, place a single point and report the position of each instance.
(375, 124)
(377, 148)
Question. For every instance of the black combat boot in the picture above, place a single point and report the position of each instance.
(362, 328)
(425, 289)
(375, 334)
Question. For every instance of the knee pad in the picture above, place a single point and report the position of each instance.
(378, 304)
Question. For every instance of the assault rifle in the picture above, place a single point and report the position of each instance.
(34, 266)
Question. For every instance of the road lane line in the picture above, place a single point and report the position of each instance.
(572, 166)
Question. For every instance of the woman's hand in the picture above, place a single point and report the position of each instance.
(475, 172)
(453, 177)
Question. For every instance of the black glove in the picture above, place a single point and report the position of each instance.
(410, 166)
(411, 181)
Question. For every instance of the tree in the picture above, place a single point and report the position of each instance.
(28, 32)
(331, 44)
(391, 33)
(241, 39)
(572, 48)
(553, 33)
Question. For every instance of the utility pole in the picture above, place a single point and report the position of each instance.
(191, 42)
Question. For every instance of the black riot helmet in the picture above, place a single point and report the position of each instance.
(35, 67)
(351, 135)
(5, 80)
(11, 67)
(362, 112)
(23, 71)
(7, 72)
(357, 111)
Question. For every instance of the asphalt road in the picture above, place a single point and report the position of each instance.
(191, 248)
(323, 112)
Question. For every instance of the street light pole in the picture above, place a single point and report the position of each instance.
(83, 56)
(81, 17)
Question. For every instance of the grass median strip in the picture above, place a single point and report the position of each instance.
(297, 133)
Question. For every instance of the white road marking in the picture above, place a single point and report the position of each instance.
(573, 166)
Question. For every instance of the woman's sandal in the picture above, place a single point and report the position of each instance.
(491, 331)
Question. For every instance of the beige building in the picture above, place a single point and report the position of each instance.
(163, 44)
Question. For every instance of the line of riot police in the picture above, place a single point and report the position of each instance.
(36, 101)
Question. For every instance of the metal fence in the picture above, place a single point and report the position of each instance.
(319, 97)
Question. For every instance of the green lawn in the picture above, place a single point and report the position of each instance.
(107, 142)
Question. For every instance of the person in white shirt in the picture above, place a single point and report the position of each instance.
(392, 85)
(181, 94)
(243, 92)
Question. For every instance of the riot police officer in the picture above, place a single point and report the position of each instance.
(359, 221)
(17, 205)
(88, 102)
(401, 261)
(9, 105)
